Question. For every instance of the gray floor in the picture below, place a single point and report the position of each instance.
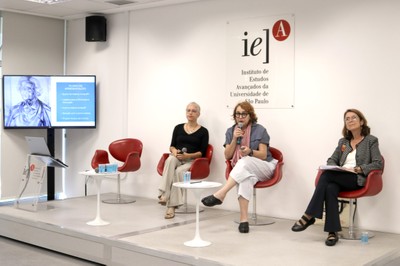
(13, 253)
(142, 224)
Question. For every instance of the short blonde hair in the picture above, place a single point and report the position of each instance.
(196, 105)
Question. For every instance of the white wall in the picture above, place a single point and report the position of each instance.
(109, 62)
(27, 51)
(157, 60)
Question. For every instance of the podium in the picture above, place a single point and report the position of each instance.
(32, 180)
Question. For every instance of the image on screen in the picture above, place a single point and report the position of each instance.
(41, 101)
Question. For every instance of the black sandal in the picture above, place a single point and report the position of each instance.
(211, 201)
(301, 226)
(244, 227)
(332, 239)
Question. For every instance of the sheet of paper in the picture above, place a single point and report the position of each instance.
(335, 168)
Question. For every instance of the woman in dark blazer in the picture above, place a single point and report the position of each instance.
(358, 153)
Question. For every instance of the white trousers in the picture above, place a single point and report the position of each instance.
(173, 172)
(250, 170)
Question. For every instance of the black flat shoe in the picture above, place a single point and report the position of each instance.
(244, 227)
(332, 239)
(301, 226)
(210, 201)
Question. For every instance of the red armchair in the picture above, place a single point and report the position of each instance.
(128, 151)
(373, 186)
(99, 157)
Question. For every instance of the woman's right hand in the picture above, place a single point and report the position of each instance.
(237, 133)
(179, 154)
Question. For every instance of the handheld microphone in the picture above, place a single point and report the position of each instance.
(183, 150)
(239, 139)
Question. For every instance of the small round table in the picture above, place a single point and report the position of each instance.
(98, 177)
(197, 187)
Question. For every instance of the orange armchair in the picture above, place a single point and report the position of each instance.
(373, 186)
(199, 169)
(276, 154)
(128, 151)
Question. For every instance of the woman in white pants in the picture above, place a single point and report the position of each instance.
(246, 146)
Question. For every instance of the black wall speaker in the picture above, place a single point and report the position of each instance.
(96, 29)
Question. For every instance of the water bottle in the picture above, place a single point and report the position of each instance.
(187, 176)
(102, 168)
(364, 238)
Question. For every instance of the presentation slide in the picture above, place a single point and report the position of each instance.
(49, 101)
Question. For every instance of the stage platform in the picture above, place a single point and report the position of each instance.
(138, 234)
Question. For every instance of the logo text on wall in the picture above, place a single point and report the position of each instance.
(260, 65)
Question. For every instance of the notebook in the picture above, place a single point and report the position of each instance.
(38, 146)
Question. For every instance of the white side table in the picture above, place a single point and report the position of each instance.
(197, 187)
(98, 177)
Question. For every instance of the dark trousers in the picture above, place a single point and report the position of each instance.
(327, 191)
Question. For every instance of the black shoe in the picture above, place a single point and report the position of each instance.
(211, 201)
(244, 227)
(301, 226)
(332, 239)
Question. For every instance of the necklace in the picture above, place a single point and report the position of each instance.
(191, 130)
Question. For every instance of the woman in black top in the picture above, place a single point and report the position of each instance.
(189, 141)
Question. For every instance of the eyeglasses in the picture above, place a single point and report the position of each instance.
(353, 118)
(191, 110)
(242, 115)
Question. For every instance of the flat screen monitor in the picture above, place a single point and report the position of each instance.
(51, 101)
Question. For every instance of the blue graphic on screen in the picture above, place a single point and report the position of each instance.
(75, 102)
(49, 101)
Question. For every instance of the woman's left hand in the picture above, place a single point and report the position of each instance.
(244, 150)
(357, 170)
(181, 156)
